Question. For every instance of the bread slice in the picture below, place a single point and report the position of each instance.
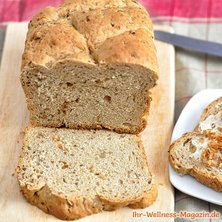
(211, 118)
(199, 153)
(90, 64)
(200, 156)
(75, 173)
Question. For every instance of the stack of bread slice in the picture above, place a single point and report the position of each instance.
(87, 70)
(199, 153)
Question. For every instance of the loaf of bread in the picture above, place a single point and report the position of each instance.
(74, 173)
(90, 64)
(199, 153)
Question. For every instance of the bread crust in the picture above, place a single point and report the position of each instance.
(76, 208)
(69, 30)
(214, 182)
(71, 208)
(132, 130)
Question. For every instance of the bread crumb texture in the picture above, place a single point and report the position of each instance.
(75, 173)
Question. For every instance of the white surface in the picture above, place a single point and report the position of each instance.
(187, 121)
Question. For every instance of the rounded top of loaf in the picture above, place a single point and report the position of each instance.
(93, 33)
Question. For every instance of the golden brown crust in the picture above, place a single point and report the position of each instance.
(59, 205)
(80, 34)
(151, 195)
(208, 180)
(87, 5)
(145, 113)
(129, 48)
(71, 209)
(46, 45)
(99, 25)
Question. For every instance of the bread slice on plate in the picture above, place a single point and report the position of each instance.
(90, 64)
(200, 156)
(211, 118)
(75, 173)
(199, 153)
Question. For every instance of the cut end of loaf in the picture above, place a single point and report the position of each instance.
(75, 173)
(114, 97)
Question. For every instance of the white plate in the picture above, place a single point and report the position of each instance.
(187, 121)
